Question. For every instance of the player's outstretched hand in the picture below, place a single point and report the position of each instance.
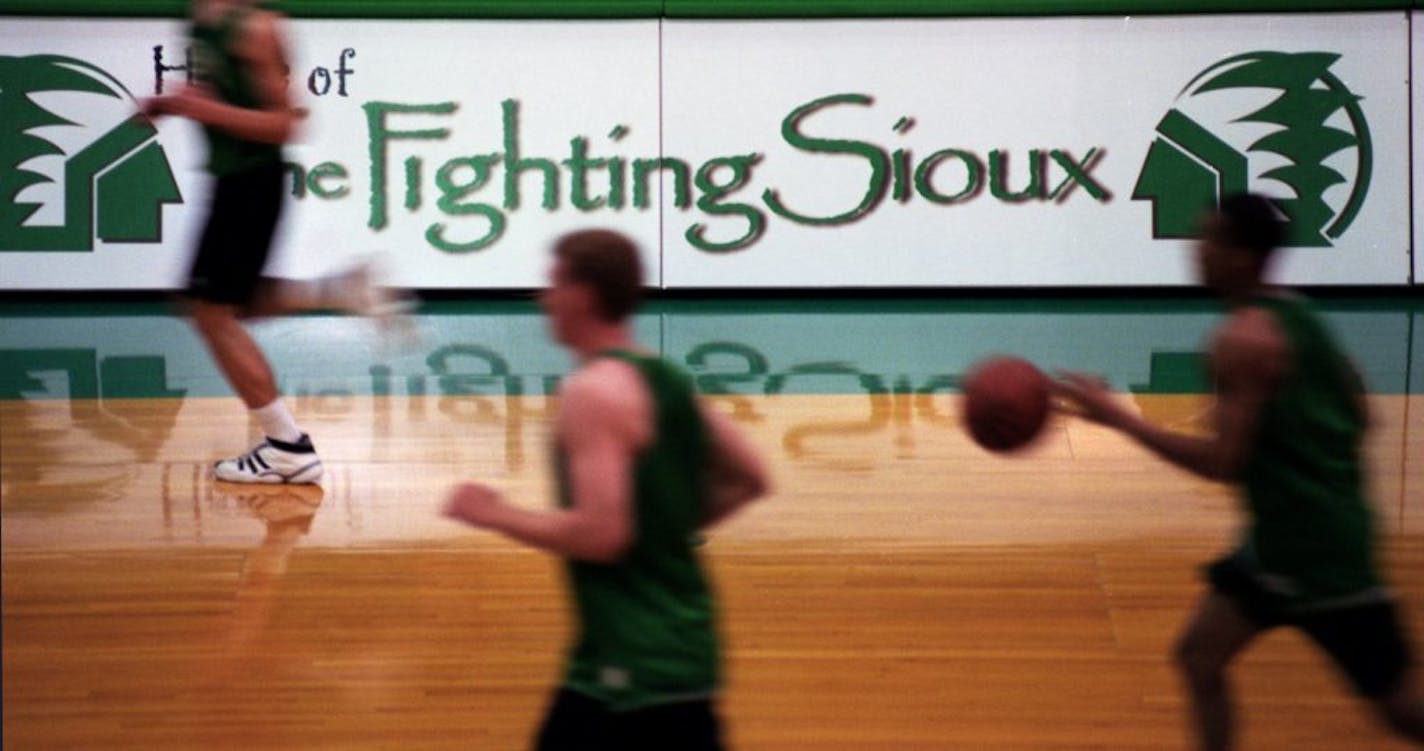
(154, 107)
(182, 104)
(473, 504)
(1086, 396)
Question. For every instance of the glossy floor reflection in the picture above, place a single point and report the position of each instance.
(902, 589)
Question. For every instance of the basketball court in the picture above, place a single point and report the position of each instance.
(901, 589)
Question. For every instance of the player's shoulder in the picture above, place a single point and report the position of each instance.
(605, 372)
(1252, 326)
(262, 27)
(1250, 337)
(255, 18)
(604, 397)
(604, 382)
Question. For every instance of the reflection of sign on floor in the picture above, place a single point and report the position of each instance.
(79, 376)
(1175, 373)
(25, 371)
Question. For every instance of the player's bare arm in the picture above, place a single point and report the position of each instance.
(736, 475)
(1248, 358)
(1357, 386)
(604, 421)
(260, 48)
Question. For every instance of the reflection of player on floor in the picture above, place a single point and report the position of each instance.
(1289, 417)
(642, 466)
(287, 512)
(243, 107)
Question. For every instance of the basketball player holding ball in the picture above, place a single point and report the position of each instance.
(1289, 418)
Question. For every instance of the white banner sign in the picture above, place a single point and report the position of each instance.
(866, 153)
(1038, 152)
(453, 151)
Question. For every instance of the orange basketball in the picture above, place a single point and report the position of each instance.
(1006, 403)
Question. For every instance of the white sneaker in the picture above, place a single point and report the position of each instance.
(273, 461)
(364, 293)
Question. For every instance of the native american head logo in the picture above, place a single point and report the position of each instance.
(76, 163)
(1277, 123)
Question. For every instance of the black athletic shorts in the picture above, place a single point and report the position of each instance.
(580, 723)
(238, 235)
(1365, 640)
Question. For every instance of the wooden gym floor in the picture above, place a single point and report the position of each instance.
(901, 590)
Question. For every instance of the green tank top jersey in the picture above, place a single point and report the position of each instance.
(646, 630)
(1311, 536)
(218, 66)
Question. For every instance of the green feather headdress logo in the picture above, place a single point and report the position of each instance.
(1316, 128)
(112, 185)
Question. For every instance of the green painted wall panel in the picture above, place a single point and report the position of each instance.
(358, 8)
(52, 350)
(703, 8)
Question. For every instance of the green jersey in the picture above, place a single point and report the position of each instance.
(646, 630)
(218, 66)
(1311, 536)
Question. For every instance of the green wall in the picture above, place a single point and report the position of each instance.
(703, 8)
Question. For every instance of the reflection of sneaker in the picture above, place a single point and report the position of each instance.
(273, 461)
(283, 506)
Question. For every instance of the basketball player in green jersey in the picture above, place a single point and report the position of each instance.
(1289, 417)
(642, 466)
(242, 104)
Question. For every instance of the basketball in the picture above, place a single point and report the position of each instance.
(1005, 403)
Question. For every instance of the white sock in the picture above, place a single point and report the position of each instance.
(277, 422)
